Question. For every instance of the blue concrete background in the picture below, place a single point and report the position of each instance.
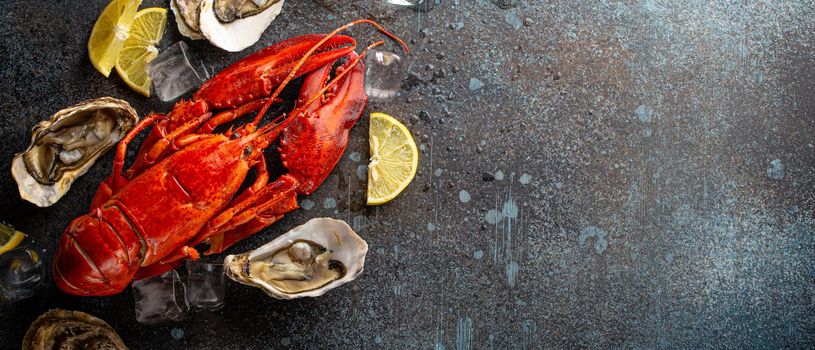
(593, 174)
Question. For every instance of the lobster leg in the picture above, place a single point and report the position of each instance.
(169, 141)
(232, 114)
(269, 206)
(108, 187)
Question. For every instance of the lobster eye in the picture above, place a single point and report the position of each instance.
(247, 151)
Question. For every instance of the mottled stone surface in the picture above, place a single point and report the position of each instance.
(638, 174)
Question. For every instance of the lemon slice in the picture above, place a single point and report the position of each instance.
(110, 32)
(394, 158)
(140, 48)
(9, 238)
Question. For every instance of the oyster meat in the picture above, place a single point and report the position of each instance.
(65, 146)
(307, 261)
(61, 329)
(232, 25)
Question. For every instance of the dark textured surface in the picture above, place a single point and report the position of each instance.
(618, 162)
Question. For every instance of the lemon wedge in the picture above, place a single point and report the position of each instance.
(9, 238)
(394, 158)
(140, 48)
(110, 32)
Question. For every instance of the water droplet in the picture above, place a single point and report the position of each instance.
(329, 203)
(358, 222)
(525, 179)
(378, 339)
(494, 217)
(513, 20)
(475, 84)
(510, 209)
(285, 341)
(600, 245)
(464, 196)
(355, 156)
(512, 273)
(438, 172)
(177, 333)
(431, 227)
(478, 254)
(306, 204)
(776, 170)
(499, 175)
(644, 113)
(362, 172)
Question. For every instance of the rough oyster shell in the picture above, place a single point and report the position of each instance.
(186, 18)
(232, 25)
(61, 329)
(307, 261)
(65, 146)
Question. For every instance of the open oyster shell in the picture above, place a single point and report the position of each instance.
(307, 261)
(65, 146)
(61, 329)
(232, 25)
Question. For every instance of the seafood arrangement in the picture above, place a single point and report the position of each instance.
(182, 189)
(187, 185)
(71, 330)
(307, 261)
(66, 145)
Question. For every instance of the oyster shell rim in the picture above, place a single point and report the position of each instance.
(238, 34)
(50, 193)
(73, 317)
(353, 269)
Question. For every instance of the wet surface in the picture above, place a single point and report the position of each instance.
(619, 174)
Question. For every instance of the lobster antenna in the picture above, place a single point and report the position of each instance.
(311, 51)
(339, 76)
(274, 127)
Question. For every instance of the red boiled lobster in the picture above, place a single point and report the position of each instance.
(182, 188)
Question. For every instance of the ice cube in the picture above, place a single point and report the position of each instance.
(205, 285)
(173, 73)
(383, 74)
(160, 299)
(418, 5)
(22, 273)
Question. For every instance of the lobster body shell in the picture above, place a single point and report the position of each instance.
(151, 217)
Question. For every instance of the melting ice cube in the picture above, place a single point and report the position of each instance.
(160, 298)
(21, 273)
(205, 285)
(383, 75)
(172, 72)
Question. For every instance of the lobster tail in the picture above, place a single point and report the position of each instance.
(96, 271)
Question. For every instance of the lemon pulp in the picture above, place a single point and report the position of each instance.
(109, 33)
(140, 48)
(394, 158)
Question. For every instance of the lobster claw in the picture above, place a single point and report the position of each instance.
(256, 75)
(313, 144)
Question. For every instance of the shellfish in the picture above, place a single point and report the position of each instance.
(232, 25)
(61, 329)
(307, 261)
(65, 146)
